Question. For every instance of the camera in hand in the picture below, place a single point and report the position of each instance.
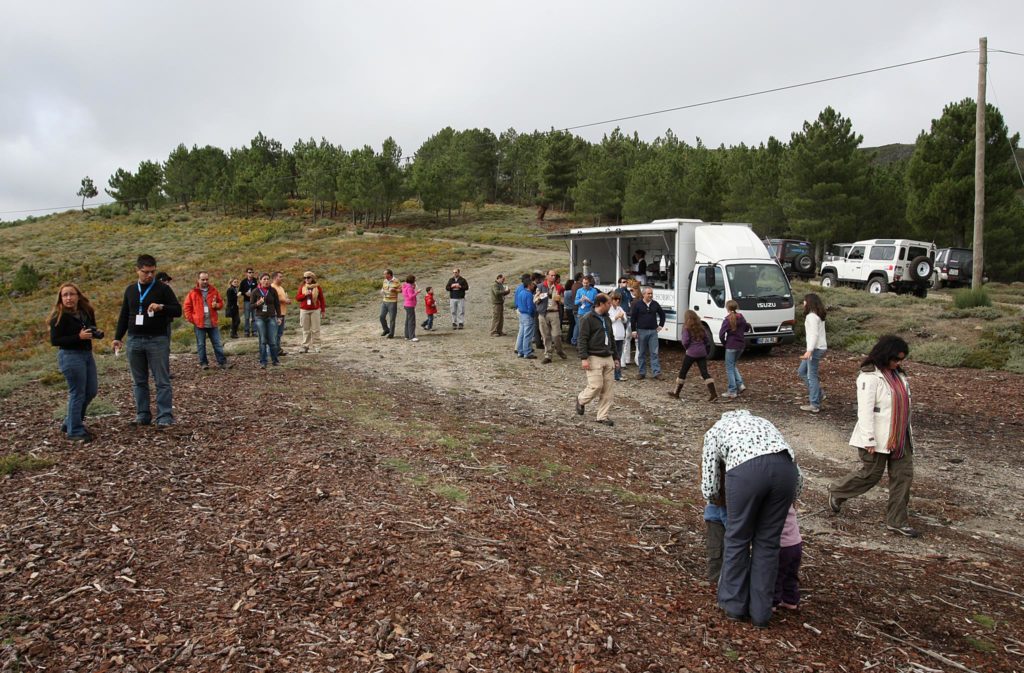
(96, 332)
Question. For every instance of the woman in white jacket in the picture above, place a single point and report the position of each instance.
(883, 435)
(817, 346)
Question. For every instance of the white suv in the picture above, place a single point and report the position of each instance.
(883, 264)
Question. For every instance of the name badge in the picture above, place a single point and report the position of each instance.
(139, 318)
(206, 309)
(264, 308)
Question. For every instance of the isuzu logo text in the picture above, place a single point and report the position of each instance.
(766, 304)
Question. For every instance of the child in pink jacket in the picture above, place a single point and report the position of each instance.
(410, 295)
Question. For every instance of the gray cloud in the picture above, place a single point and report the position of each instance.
(97, 86)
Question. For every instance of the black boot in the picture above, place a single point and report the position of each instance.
(679, 388)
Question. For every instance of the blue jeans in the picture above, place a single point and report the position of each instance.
(79, 369)
(280, 331)
(250, 315)
(731, 373)
(266, 328)
(218, 347)
(647, 351)
(148, 354)
(808, 371)
(429, 322)
(524, 339)
(576, 327)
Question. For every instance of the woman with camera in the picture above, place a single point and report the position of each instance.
(72, 325)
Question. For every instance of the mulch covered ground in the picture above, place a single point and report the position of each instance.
(304, 519)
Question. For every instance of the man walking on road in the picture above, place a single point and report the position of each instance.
(456, 287)
(389, 303)
(647, 318)
(245, 288)
(146, 310)
(201, 306)
(596, 347)
(498, 293)
(548, 299)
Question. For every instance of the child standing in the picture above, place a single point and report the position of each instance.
(715, 516)
(618, 317)
(734, 327)
(410, 294)
(696, 347)
(791, 551)
(431, 306)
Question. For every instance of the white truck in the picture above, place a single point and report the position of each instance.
(692, 264)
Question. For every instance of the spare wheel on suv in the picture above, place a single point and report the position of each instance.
(921, 269)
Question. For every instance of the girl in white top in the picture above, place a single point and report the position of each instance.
(618, 318)
(817, 346)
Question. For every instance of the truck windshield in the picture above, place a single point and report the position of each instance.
(754, 281)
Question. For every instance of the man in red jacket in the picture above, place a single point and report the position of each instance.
(201, 306)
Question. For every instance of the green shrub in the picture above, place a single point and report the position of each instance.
(26, 280)
(1012, 334)
(969, 298)
(987, 357)
(15, 462)
(1015, 360)
(979, 312)
(940, 354)
(861, 343)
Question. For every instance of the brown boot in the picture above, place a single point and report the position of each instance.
(679, 388)
(712, 393)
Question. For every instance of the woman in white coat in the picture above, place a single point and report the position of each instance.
(883, 434)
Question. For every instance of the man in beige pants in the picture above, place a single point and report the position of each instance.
(596, 347)
(548, 299)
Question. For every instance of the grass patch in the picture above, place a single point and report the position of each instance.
(98, 408)
(969, 298)
(534, 476)
(16, 462)
(984, 620)
(978, 312)
(980, 644)
(449, 492)
(399, 465)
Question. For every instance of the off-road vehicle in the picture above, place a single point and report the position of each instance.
(883, 264)
(953, 266)
(794, 256)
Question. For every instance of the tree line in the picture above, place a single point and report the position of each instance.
(820, 185)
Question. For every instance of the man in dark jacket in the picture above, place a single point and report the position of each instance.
(146, 310)
(596, 348)
(647, 319)
(456, 288)
(245, 289)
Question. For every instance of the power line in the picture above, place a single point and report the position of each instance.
(1009, 142)
(767, 91)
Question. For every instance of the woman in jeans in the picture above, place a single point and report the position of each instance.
(266, 307)
(410, 295)
(72, 329)
(814, 328)
(734, 327)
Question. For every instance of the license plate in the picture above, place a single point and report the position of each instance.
(767, 340)
(954, 272)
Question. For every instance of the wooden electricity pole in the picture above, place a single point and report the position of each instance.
(979, 169)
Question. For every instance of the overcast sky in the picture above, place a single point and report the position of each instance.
(88, 87)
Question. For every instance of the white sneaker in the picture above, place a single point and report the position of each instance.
(414, 339)
(810, 407)
(742, 388)
(729, 396)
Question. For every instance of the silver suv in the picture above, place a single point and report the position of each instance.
(883, 264)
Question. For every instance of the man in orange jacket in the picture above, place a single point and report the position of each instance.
(201, 306)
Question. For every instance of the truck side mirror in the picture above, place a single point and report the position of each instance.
(709, 276)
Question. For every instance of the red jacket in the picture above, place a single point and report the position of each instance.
(428, 301)
(306, 304)
(193, 308)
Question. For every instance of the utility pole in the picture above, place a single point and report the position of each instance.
(979, 169)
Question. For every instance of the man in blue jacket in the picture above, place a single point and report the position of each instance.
(527, 318)
(583, 303)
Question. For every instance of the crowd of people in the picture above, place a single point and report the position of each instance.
(749, 473)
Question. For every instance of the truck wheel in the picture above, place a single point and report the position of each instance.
(877, 285)
(714, 351)
(829, 279)
(921, 268)
(936, 281)
(803, 264)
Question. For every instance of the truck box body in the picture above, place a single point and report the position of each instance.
(678, 254)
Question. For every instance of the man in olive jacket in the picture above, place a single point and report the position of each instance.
(596, 348)
(498, 294)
